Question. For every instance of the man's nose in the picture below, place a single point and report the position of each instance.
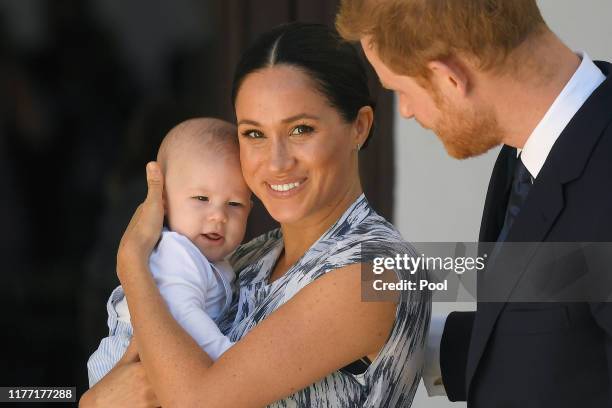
(280, 158)
(405, 108)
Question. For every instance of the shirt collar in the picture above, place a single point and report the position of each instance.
(581, 85)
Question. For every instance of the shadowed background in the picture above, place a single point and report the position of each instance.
(88, 90)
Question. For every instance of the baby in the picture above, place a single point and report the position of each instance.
(206, 204)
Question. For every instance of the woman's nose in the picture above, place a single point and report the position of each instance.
(280, 159)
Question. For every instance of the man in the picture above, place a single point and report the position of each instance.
(480, 73)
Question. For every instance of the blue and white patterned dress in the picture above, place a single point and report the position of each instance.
(392, 378)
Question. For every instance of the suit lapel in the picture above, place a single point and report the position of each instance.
(545, 202)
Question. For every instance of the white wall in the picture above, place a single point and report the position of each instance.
(440, 199)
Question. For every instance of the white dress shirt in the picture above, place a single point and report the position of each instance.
(534, 153)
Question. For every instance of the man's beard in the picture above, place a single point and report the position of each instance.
(466, 132)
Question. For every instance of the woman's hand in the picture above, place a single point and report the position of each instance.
(126, 385)
(144, 228)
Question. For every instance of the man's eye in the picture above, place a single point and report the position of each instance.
(235, 204)
(301, 129)
(252, 134)
(201, 198)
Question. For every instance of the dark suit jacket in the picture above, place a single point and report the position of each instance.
(509, 354)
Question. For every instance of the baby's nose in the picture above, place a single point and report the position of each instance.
(218, 214)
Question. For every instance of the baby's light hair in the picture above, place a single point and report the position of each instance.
(199, 135)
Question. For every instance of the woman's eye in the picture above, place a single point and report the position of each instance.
(234, 204)
(253, 134)
(201, 198)
(301, 129)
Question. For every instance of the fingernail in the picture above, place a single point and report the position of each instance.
(151, 169)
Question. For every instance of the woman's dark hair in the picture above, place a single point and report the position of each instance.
(332, 63)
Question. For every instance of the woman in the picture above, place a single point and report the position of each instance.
(303, 336)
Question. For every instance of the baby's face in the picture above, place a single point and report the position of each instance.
(208, 201)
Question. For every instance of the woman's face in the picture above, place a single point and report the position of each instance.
(297, 153)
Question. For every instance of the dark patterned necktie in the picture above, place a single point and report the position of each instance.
(521, 184)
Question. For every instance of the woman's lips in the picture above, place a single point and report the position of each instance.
(286, 189)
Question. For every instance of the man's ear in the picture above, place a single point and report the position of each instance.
(362, 125)
(449, 76)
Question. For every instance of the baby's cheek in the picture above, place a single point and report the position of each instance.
(237, 235)
(240, 224)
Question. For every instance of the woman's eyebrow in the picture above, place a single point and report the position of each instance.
(299, 116)
(286, 120)
(248, 122)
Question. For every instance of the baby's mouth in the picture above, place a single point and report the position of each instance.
(213, 236)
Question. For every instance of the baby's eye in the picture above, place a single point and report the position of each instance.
(200, 198)
(252, 134)
(235, 204)
(302, 129)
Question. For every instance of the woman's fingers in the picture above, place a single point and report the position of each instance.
(144, 228)
(155, 184)
(151, 216)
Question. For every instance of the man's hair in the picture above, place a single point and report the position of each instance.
(407, 34)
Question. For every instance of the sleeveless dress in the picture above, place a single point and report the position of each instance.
(392, 378)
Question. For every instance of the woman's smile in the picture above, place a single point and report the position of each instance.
(282, 190)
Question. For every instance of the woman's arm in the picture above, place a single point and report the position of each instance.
(321, 329)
